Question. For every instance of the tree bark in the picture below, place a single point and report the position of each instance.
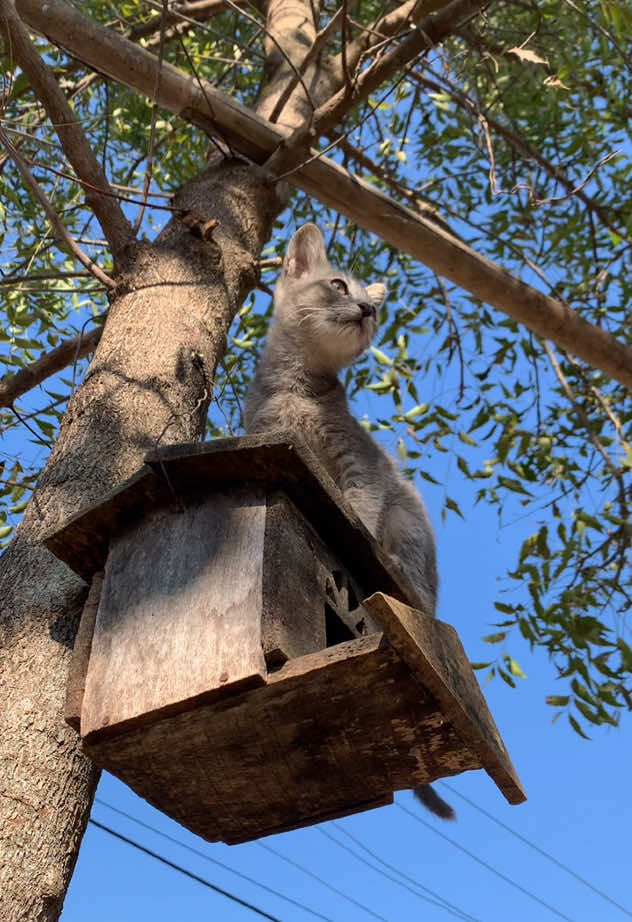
(149, 383)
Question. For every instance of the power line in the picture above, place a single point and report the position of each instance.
(221, 864)
(435, 899)
(540, 851)
(489, 867)
(325, 883)
(181, 870)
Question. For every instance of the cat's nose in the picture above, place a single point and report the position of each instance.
(368, 310)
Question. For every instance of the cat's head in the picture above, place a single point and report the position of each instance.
(332, 317)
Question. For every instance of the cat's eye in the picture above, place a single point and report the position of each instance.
(340, 286)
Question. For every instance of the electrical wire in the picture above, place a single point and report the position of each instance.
(325, 883)
(435, 899)
(540, 851)
(485, 864)
(221, 864)
(181, 870)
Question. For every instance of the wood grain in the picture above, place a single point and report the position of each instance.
(433, 651)
(330, 734)
(280, 460)
(300, 576)
(81, 654)
(275, 460)
(180, 611)
(293, 608)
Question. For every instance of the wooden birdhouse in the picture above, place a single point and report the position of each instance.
(248, 660)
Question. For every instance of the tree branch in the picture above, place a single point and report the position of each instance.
(430, 31)
(68, 351)
(310, 57)
(106, 209)
(387, 27)
(519, 144)
(200, 10)
(58, 225)
(331, 184)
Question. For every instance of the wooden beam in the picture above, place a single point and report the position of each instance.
(252, 136)
(433, 651)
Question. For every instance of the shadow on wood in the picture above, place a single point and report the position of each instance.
(226, 667)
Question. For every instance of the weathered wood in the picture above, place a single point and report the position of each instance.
(276, 460)
(293, 611)
(180, 612)
(82, 541)
(231, 565)
(433, 651)
(302, 580)
(279, 460)
(331, 733)
(81, 654)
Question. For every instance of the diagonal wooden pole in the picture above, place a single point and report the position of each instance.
(257, 139)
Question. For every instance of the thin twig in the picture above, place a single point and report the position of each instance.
(584, 182)
(581, 413)
(28, 426)
(15, 483)
(69, 350)
(310, 57)
(154, 117)
(202, 85)
(432, 29)
(52, 215)
(277, 44)
(41, 277)
(517, 142)
(76, 147)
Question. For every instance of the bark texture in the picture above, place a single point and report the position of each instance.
(149, 382)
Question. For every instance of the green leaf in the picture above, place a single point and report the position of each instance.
(380, 357)
(495, 638)
(453, 506)
(514, 668)
(576, 727)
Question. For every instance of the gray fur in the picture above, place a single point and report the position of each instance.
(317, 331)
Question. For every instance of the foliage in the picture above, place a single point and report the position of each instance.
(517, 133)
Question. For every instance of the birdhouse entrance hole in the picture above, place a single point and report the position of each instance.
(249, 660)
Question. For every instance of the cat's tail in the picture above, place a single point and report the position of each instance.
(427, 795)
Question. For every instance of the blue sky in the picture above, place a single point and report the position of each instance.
(579, 810)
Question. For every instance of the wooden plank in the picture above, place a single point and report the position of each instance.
(280, 460)
(293, 619)
(81, 654)
(274, 460)
(301, 579)
(82, 541)
(433, 651)
(330, 733)
(180, 612)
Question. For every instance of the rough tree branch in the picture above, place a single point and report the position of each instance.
(331, 184)
(79, 153)
(68, 351)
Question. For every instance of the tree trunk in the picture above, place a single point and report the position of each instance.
(149, 382)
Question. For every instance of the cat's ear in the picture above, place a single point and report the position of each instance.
(305, 254)
(376, 292)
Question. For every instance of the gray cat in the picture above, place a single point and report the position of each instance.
(323, 320)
